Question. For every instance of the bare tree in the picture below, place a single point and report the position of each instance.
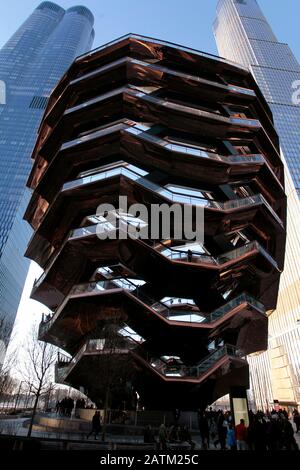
(38, 369)
(114, 367)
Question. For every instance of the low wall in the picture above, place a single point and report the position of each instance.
(87, 414)
(142, 418)
(81, 422)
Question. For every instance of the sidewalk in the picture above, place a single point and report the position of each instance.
(16, 427)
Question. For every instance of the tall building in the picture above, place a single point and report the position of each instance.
(161, 125)
(31, 63)
(243, 34)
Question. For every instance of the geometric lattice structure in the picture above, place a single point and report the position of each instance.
(159, 124)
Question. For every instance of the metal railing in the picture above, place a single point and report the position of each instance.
(176, 369)
(167, 70)
(167, 367)
(193, 150)
(173, 253)
(131, 127)
(135, 174)
(65, 364)
(162, 308)
(163, 43)
(197, 257)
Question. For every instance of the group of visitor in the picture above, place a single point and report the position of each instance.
(272, 430)
(175, 434)
(64, 407)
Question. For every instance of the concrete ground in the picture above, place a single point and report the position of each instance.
(18, 427)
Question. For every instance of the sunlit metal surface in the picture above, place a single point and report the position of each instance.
(160, 124)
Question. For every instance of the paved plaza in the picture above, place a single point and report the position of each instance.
(78, 440)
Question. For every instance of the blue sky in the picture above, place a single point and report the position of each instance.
(185, 22)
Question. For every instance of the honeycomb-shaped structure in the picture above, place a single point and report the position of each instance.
(159, 124)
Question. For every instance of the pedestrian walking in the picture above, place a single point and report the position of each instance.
(96, 425)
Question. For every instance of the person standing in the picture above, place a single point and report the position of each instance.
(149, 437)
(231, 442)
(222, 431)
(204, 430)
(241, 435)
(296, 420)
(162, 437)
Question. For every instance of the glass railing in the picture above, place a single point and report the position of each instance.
(197, 257)
(60, 373)
(63, 368)
(176, 369)
(144, 94)
(210, 114)
(171, 367)
(171, 253)
(245, 122)
(194, 151)
(236, 302)
(102, 69)
(178, 255)
(215, 356)
(63, 358)
(163, 308)
(94, 135)
(135, 174)
(92, 287)
(157, 67)
(236, 253)
(241, 90)
(131, 128)
(267, 256)
(167, 70)
(172, 301)
(168, 308)
(98, 99)
(163, 43)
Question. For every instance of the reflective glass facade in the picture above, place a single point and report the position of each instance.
(31, 63)
(244, 35)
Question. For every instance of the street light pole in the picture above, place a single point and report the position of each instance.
(136, 408)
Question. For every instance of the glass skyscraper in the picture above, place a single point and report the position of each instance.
(31, 63)
(243, 35)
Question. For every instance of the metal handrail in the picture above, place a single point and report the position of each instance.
(158, 307)
(173, 253)
(87, 347)
(139, 176)
(164, 43)
(193, 256)
(183, 371)
(159, 364)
